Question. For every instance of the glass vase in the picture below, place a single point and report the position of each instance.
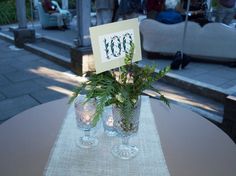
(84, 117)
(108, 120)
(126, 127)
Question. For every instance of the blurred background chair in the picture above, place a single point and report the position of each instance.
(48, 20)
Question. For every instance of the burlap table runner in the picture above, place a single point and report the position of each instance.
(67, 159)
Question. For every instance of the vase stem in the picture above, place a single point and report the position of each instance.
(87, 141)
(125, 140)
(87, 133)
(124, 150)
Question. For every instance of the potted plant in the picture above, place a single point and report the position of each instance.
(121, 88)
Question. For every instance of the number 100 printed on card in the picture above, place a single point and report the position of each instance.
(115, 45)
(112, 41)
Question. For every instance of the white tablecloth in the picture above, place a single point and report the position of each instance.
(67, 159)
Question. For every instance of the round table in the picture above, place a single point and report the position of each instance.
(191, 144)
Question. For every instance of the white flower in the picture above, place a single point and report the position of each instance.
(120, 98)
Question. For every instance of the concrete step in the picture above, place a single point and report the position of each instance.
(51, 52)
(56, 42)
(206, 107)
(7, 36)
(200, 88)
(50, 48)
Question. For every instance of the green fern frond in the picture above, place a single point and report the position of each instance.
(124, 92)
(76, 92)
(101, 102)
(162, 97)
(162, 72)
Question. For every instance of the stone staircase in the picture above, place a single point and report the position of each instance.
(51, 49)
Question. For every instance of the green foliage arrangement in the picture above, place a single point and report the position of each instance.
(8, 11)
(121, 87)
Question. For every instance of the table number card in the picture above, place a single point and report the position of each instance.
(110, 43)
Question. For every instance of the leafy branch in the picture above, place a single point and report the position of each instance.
(121, 89)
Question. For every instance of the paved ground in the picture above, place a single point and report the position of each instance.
(27, 80)
(221, 76)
